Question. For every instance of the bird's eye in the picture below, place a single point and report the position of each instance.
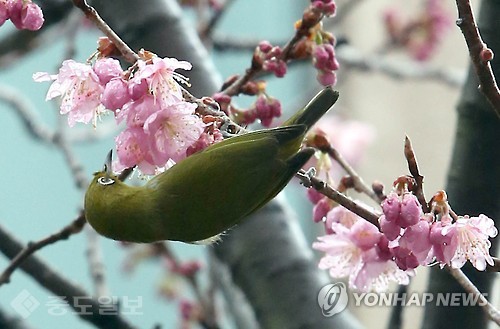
(105, 181)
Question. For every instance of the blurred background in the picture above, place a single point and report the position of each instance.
(376, 110)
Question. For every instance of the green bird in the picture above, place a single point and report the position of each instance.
(208, 192)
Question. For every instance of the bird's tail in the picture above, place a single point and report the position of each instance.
(315, 109)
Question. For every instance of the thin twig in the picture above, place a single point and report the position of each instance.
(96, 264)
(479, 53)
(207, 320)
(207, 31)
(23, 108)
(286, 55)
(418, 190)
(99, 314)
(323, 188)
(353, 58)
(74, 227)
(320, 142)
(464, 281)
(93, 16)
(359, 183)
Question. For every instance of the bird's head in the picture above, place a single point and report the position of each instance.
(104, 180)
(105, 176)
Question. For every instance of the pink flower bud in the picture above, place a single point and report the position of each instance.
(486, 54)
(321, 209)
(390, 229)
(382, 249)
(326, 78)
(25, 15)
(265, 46)
(32, 17)
(314, 196)
(189, 268)
(4, 12)
(404, 258)
(281, 69)
(115, 94)
(107, 69)
(410, 211)
(391, 207)
(187, 309)
(137, 88)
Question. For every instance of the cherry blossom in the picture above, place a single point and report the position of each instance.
(172, 130)
(355, 253)
(470, 234)
(162, 80)
(132, 148)
(78, 86)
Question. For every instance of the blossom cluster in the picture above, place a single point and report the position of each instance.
(421, 35)
(407, 238)
(160, 125)
(24, 14)
(265, 108)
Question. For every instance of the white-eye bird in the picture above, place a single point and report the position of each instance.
(208, 192)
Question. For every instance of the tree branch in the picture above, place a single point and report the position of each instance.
(473, 182)
(328, 191)
(74, 227)
(467, 284)
(60, 286)
(479, 53)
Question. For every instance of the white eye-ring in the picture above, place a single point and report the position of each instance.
(105, 181)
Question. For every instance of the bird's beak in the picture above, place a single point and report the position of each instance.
(107, 164)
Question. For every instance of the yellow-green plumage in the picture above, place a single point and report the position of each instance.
(208, 192)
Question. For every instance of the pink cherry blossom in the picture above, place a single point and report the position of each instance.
(137, 112)
(162, 80)
(357, 253)
(375, 274)
(172, 130)
(443, 247)
(350, 138)
(340, 215)
(364, 234)
(471, 235)
(132, 148)
(80, 90)
(342, 256)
